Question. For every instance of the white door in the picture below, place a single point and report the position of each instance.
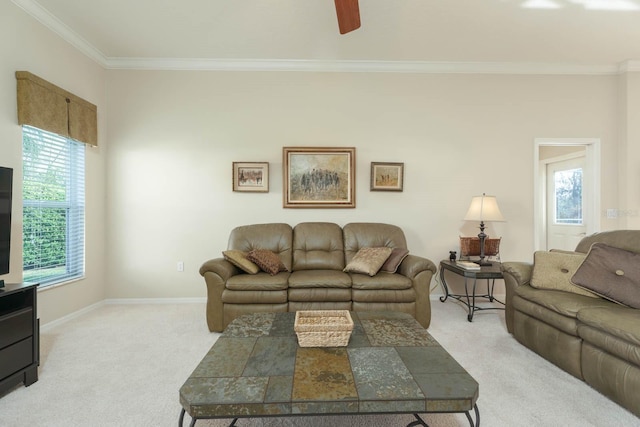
(565, 201)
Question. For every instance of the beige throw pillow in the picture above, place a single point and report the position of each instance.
(239, 259)
(553, 270)
(368, 260)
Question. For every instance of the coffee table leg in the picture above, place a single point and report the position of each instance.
(420, 422)
(475, 409)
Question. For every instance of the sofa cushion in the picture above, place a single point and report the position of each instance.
(258, 282)
(268, 261)
(553, 270)
(395, 259)
(381, 280)
(319, 279)
(276, 237)
(250, 297)
(384, 295)
(319, 294)
(239, 259)
(614, 329)
(557, 308)
(358, 235)
(368, 260)
(612, 273)
(318, 246)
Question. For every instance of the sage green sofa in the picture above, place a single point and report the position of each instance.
(593, 339)
(315, 254)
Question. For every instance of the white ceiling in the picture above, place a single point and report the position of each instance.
(589, 35)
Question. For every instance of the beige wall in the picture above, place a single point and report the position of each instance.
(629, 152)
(162, 192)
(174, 136)
(27, 45)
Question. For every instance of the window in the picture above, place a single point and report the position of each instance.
(568, 186)
(53, 207)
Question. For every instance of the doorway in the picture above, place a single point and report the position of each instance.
(566, 191)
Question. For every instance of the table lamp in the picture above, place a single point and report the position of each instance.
(483, 208)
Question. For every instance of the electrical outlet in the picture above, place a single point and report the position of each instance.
(180, 266)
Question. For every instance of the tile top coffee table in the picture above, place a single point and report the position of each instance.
(391, 365)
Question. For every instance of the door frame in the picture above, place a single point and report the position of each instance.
(591, 182)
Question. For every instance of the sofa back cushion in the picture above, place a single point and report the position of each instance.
(318, 246)
(275, 237)
(628, 240)
(359, 235)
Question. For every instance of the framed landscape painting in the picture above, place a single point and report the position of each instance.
(387, 176)
(319, 177)
(252, 177)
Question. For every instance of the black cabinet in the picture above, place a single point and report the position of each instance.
(19, 335)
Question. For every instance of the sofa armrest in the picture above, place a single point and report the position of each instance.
(412, 265)
(515, 274)
(221, 267)
(518, 272)
(420, 270)
(216, 272)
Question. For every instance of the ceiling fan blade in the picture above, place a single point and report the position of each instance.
(348, 15)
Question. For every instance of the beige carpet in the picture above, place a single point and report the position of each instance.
(122, 365)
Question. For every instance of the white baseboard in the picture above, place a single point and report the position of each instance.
(193, 300)
(113, 301)
(71, 316)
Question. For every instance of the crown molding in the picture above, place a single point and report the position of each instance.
(629, 67)
(45, 17)
(42, 15)
(345, 66)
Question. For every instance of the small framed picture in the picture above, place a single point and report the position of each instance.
(319, 177)
(387, 176)
(251, 177)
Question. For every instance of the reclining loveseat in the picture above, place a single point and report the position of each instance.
(581, 311)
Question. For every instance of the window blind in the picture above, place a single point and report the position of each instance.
(53, 207)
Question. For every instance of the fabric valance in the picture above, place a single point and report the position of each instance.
(46, 106)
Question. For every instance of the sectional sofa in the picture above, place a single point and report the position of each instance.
(320, 267)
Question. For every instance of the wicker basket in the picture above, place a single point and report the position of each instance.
(470, 246)
(323, 328)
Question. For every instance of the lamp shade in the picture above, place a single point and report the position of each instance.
(484, 208)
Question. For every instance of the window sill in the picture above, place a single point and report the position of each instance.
(60, 284)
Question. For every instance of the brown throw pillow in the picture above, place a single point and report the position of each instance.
(267, 261)
(553, 270)
(239, 259)
(612, 273)
(368, 260)
(395, 259)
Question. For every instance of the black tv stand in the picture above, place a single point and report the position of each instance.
(19, 335)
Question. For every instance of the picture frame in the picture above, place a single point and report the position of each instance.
(319, 177)
(251, 177)
(387, 176)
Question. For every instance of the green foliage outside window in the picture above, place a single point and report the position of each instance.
(569, 196)
(52, 216)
